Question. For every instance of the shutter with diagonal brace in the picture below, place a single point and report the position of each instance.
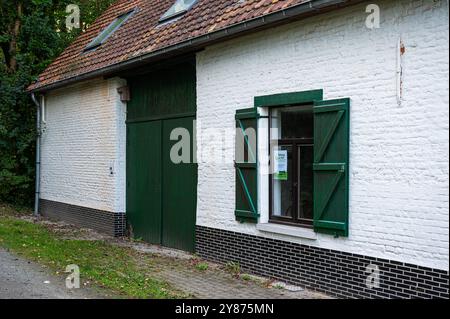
(331, 166)
(246, 209)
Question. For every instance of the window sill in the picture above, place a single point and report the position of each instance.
(287, 230)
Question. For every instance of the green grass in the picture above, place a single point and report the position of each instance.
(119, 269)
(246, 277)
(202, 266)
(233, 268)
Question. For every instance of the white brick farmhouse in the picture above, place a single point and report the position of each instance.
(352, 118)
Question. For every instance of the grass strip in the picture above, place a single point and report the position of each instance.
(119, 269)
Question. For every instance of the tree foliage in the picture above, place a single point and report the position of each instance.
(32, 34)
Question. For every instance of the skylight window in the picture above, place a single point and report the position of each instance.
(110, 29)
(180, 7)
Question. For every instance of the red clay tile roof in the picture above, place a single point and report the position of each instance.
(143, 34)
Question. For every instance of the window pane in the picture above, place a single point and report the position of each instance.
(305, 182)
(282, 203)
(179, 7)
(109, 30)
(292, 122)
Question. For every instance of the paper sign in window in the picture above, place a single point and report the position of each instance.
(281, 165)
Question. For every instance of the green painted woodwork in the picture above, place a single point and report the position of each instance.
(163, 93)
(144, 180)
(283, 99)
(331, 166)
(161, 195)
(179, 191)
(246, 209)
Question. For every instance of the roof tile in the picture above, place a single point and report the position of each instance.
(143, 34)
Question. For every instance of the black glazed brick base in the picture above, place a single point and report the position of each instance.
(337, 273)
(110, 223)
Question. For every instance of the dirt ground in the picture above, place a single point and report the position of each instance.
(22, 279)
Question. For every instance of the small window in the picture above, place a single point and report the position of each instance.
(179, 7)
(110, 29)
(292, 149)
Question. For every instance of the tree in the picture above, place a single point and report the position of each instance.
(32, 34)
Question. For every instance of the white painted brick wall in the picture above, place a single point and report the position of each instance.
(399, 154)
(84, 136)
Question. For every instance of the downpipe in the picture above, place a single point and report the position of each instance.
(38, 155)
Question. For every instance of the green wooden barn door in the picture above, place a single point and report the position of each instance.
(144, 180)
(161, 195)
(179, 196)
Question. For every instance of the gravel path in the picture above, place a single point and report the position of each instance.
(21, 279)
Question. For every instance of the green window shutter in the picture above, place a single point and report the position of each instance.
(331, 166)
(246, 166)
